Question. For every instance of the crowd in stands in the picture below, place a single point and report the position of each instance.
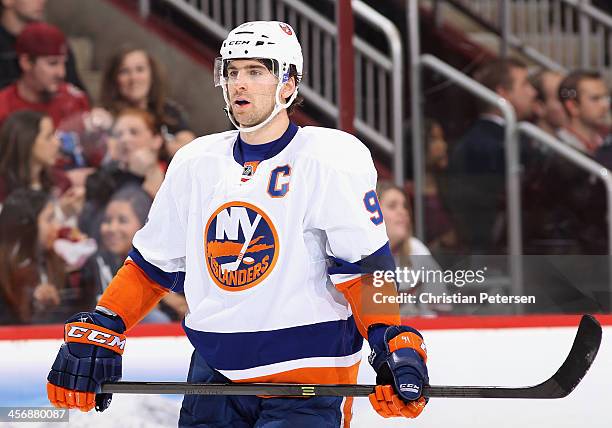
(78, 176)
(563, 206)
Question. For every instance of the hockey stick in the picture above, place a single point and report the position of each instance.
(232, 266)
(569, 375)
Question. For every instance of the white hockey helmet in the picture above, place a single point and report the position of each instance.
(271, 40)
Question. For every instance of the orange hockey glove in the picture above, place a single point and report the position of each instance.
(399, 358)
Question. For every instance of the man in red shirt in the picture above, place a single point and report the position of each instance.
(42, 50)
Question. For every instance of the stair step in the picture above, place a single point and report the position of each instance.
(92, 79)
(83, 49)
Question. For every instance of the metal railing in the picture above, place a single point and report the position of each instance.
(511, 149)
(513, 204)
(378, 90)
(554, 33)
(583, 162)
(513, 169)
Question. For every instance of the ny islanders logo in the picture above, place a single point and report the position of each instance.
(241, 246)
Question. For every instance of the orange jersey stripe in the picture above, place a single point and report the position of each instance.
(347, 411)
(132, 294)
(360, 293)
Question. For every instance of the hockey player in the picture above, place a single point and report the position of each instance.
(272, 231)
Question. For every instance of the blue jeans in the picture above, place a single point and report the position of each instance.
(218, 411)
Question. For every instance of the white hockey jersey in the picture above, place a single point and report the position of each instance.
(254, 248)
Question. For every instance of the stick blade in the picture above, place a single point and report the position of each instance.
(562, 383)
(579, 360)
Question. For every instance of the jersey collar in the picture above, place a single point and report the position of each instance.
(244, 152)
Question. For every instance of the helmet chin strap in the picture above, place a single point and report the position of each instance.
(278, 106)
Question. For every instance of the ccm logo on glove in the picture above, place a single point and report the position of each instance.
(409, 387)
(94, 335)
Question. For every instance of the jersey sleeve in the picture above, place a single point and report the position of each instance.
(159, 247)
(347, 209)
(156, 263)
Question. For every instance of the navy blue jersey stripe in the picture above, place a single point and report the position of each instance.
(381, 259)
(239, 351)
(171, 280)
(244, 152)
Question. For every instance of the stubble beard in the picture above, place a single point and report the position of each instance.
(254, 118)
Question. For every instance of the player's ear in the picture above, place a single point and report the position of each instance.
(288, 88)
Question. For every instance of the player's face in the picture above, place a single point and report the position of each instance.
(594, 103)
(27, 10)
(134, 78)
(251, 90)
(118, 227)
(46, 146)
(397, 217)
(48, 73)
(48, 226)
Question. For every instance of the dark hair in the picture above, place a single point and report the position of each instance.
(139, 200)
(17, 138)
(299, 99)
(112, 100)
(495, 74)
(570, 86)
(19, 250)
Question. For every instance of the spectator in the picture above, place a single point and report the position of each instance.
(123, 216)
(28, 151)
(586, 100)
(135, 157)
(14, 16)
(477, 165)
(134, 78)
(139, 147)
(572, 203)
(408, 250)
(548, 111)
(440, 234)
(30, 274)
(41, 50)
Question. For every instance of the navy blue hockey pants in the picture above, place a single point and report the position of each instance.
(219, 411)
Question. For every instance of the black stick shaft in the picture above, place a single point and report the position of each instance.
(569, 375)
(184, 388)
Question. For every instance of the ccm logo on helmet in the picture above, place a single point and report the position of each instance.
(239, 42)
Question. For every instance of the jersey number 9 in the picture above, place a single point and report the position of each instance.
(370, 200)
